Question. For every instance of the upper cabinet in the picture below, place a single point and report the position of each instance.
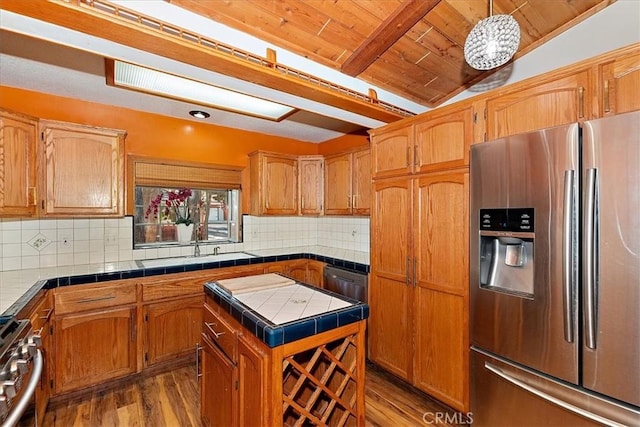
(619, 81)
(274, 183)
(82, 170)
(433, 141)
(311, 182)
(539, 104)
(18, 154)
(347, 182)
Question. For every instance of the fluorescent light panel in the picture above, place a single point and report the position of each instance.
(169, 85)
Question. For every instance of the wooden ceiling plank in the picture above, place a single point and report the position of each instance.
(292, 33)
(392, 29)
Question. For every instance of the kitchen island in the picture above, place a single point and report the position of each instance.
(283, 355)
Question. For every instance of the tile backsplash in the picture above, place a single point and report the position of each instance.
(42, 243)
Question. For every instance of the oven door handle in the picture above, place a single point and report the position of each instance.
(19, 407)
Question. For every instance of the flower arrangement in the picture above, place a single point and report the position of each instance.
(176, 201)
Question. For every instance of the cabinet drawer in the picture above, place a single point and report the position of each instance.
(220, 333)
(88, 297)
(171, 288)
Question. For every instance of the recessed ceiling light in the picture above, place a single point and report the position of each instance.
(131, 76)
(199, 114)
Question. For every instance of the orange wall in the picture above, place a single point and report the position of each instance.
(152, 134)
(342, 143)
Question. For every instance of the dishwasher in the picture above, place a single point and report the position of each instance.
(346, 282)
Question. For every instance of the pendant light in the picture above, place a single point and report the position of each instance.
(492, 42)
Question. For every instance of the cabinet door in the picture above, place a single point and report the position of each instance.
(390, 334)
(442, 360)
(280, 185)
(172, 328)
(94, 347)
(252, 396)
(620, 85)
(311, 194)
(361, 182)
(337, 184)
(441, 293)
(218, 390)
(83, 170)
(297, 270)
(392, 152)
(315, 273)
(442, 141)
(17, 165)
(558, 102)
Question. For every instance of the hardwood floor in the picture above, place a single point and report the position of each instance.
(171, 399)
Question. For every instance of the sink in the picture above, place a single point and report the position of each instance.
(165, 262)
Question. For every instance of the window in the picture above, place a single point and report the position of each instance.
(215, 214)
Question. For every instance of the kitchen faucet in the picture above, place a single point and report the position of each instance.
(196, 247)
(215, 250)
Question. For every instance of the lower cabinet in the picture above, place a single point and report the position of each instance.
(94, 347)
(218, 386)
(172, 328)
(232, 376)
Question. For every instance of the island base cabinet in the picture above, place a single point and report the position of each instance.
(218, 387)
(94, 347)
(318, 380)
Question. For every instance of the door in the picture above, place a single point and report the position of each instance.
(537, 328)
(611, 263)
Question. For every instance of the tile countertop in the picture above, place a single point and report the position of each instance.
(284, 314)
(17, 287)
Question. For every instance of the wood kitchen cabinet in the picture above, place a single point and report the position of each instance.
(274, 183)
(437, 140)
(303, 270)
(18, 168)
(95, 334)
(311, 182)
(390, 294)
(419, 251)
(94, 347)
(619, 84)
(233, 389)
(347, 183)
(217, 387)
(535, 104)
(82, 170)
(440, 286)
(172, 328)
(418, 291)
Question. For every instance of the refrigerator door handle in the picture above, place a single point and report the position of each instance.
(590, 264)
(531, 389)
(568, 276)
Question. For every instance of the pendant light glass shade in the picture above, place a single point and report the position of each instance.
(492, 42)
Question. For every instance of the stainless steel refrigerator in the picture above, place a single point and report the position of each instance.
(555, 276)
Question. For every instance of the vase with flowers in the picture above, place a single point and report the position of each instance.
(175, 205)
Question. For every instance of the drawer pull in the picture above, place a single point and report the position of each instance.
(47, 315)
(216, 334)
(86, 300)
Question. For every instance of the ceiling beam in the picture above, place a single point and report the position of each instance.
(408, 14)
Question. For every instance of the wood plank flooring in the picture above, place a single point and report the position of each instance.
(171, 399)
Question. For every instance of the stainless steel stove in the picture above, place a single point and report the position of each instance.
(20, 368)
